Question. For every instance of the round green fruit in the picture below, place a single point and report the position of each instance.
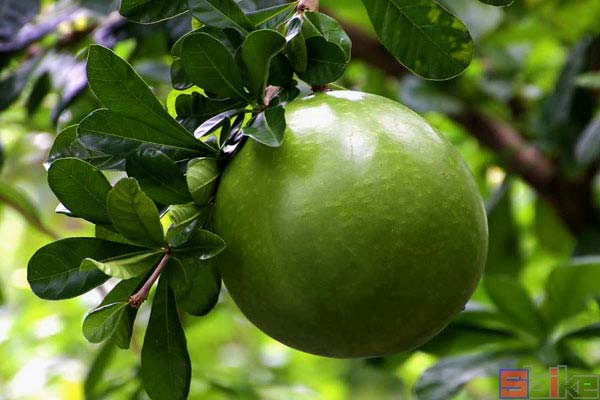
(364, 234)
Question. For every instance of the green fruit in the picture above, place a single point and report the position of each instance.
(363, 235)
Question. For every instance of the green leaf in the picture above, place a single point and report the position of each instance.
(210, 65)
(326, 61)
(53, 272)
(81, 187)
(120, 89)
(422, 35)
(150, 11)
(66, 145)
(220, 14)
(569, 288)
(20, 201)
(194, 109)
(166, 366)
(134, 215)
(121, 293)
(119, 136)
(125, 266)
(587, 148)
(196, 285)
(497, 3)
(258, 50)
(330, 29)
(297, 52)
(103, 232)
(446, 378)
(260, 17)
(515, 305)
(268, 128)
(101, 323)
(97, 371)
(202, 245)
(181, 230)
(202, 174)
(158, 176)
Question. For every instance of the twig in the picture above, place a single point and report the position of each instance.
(33, 220)
(308, 5)
(138, 298)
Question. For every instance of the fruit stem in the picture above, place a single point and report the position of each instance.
(308, 5)
(137, 299)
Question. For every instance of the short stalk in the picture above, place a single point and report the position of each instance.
(137, 299)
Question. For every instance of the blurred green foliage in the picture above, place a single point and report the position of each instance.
(531, 68)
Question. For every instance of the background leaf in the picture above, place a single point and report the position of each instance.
(149, 11)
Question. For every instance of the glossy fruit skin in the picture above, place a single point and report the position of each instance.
(363, 235)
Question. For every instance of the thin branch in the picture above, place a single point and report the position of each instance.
(138, 298)
(308, 5)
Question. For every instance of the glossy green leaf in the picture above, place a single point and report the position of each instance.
(125, 266)
(121, 293)
(268, 128)
(81, 187)
(569, 288)
(446, 378)
(53, 272)
(211, 66)
(258, 50)
(166, 366)
(149, 11)
(106, 233)
(158, 176)
(134, 215)
(194, 109)
(101, 323)
(202, 174)
(514, 304)
(120, 89)
(326, 61)
(119, 136)
(196, 285)
(202, 245)
(220, 14)
(185, 220)
(330, 29)
(263, 16)
(66, 145)
(297, 52)
(422, 35)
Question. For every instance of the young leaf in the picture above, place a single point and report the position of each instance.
(81, 187)
(513, 303)
(202, 174)
(220, 14)
(53, 272)
(265, 15)
(202, 246)
(326, 61)
(268, 128)
(330, 29)
(150, 11)
(120, 89)
(158, 176)
(119, 136)
(423, 36)
(210, 65)
(102, 323)
(125, 266)
(258, 50)
(134, 215)
(166, 366)
(196, 285)
(66, 145)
